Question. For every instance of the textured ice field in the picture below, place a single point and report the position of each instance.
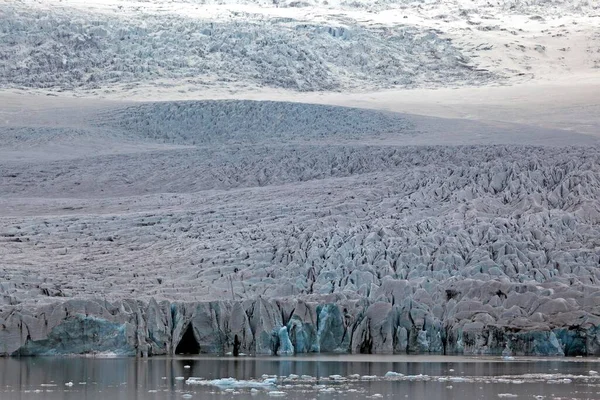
(303, 202)
(125, 47)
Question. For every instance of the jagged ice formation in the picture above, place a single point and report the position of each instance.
(332, 237)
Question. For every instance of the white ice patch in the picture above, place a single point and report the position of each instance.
(392, 374)
(230, 383)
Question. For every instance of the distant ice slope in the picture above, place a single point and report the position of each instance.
(230, 122)
(67, 49)
(107, 47)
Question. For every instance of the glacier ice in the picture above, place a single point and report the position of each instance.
(346, 242)
(63, 48)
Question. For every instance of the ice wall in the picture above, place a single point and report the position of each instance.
(288, 326)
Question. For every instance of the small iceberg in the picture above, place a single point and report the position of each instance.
(368, 377)
(230, 383)
(392, 374)
(327, 390)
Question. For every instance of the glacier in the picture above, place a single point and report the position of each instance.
(346, 239)
(130, 226)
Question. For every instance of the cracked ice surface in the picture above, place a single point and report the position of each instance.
(348, 241)
(64, 48)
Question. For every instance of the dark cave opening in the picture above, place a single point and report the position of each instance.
(188, 343)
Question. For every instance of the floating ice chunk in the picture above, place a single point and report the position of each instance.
(187, 367)
(293, 376)
(451, 370)
(307, 377)
(187, 396)
(507, 395)
(152, 391)
(376, 395)
(69, 384)
(354, 376)
(254, 391)
(508, 358)
(419, 377)
(83, 383)
(276, 393)
(337, 377)
(327, 390)
(368, 377)
(592, 372)
(230, 383)
(179, 378)
(392, 374)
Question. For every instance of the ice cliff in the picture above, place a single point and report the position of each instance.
(370, 325)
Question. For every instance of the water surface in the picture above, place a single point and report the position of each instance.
(302, 377)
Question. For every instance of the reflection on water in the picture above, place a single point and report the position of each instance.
(161, 378)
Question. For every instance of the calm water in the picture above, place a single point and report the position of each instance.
(424, 378)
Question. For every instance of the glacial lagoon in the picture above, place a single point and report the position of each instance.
(300, 377)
